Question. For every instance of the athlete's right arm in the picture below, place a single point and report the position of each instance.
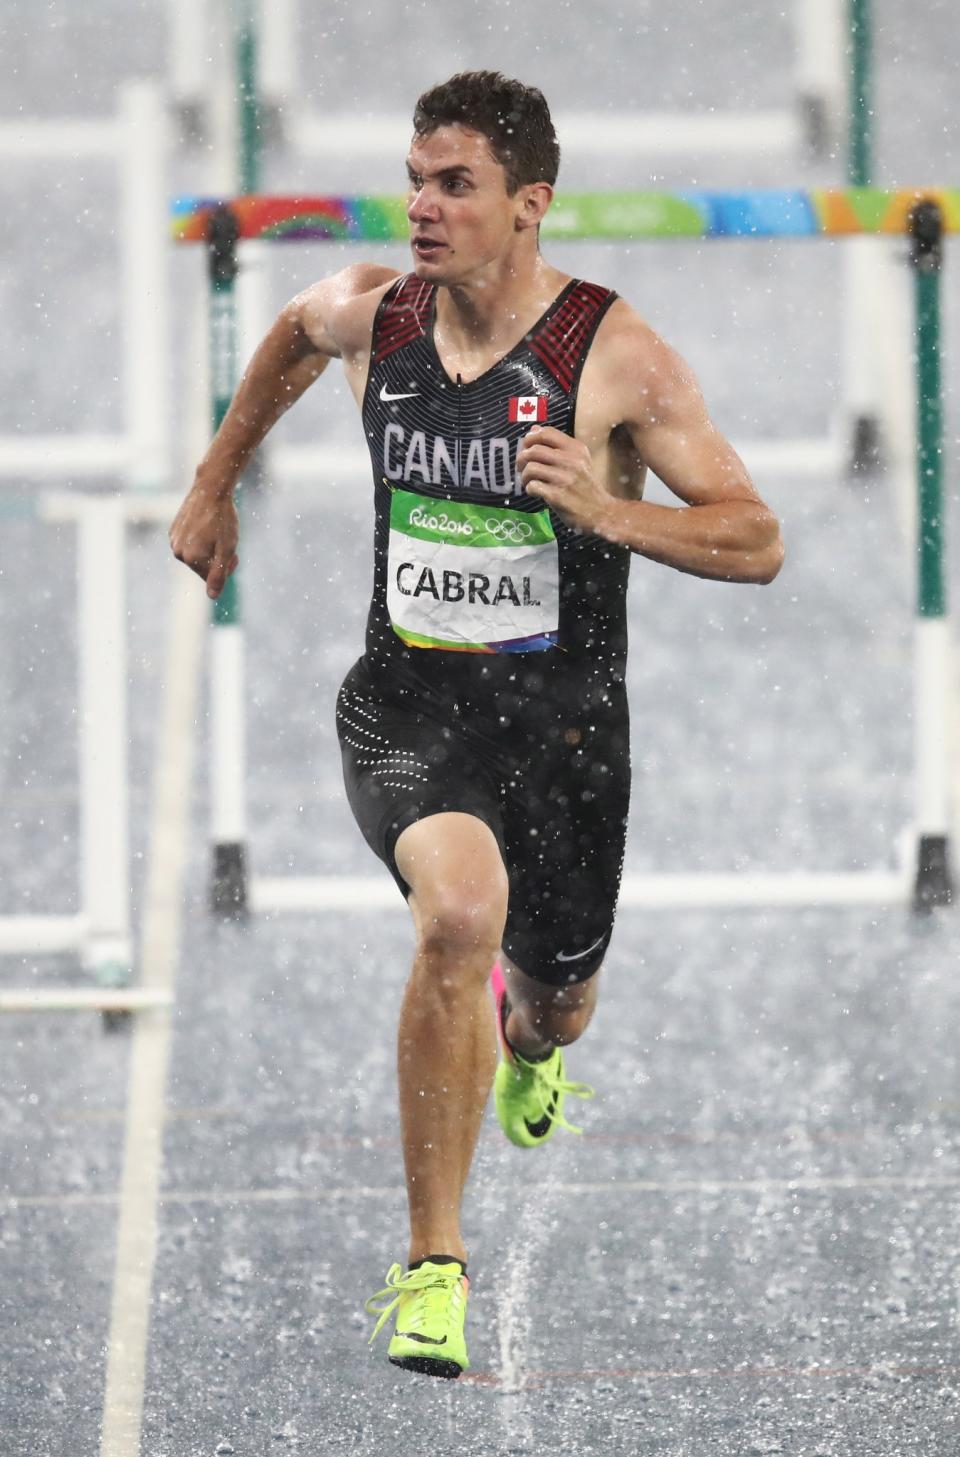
(309, 331)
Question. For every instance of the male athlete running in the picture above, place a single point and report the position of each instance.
(512, 413)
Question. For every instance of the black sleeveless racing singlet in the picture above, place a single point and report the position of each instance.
(482, 597)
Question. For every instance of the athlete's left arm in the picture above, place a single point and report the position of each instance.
(724, 530)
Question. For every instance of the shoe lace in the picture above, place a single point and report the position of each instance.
(432, 1287)
(548, 1085)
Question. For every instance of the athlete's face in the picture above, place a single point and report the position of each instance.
(461, 216)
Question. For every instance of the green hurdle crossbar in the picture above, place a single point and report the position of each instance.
(923, 214)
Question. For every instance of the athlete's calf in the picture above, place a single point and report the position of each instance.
(544, 1016)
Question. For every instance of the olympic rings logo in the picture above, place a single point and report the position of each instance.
(512, 533)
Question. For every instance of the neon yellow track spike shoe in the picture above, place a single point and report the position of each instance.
(431, 1302)
(529, 1096)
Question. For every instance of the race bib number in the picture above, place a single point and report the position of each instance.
(475, 579)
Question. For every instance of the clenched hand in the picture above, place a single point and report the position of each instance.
(204, 536)
(559, 469)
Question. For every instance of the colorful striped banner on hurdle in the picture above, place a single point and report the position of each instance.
(782, 213)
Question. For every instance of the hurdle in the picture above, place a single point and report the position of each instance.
(100, 931)
(924, 876)
(812, 122)
(136, 141)
(833, 103)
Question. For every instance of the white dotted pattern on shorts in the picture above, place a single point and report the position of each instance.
(401, 762)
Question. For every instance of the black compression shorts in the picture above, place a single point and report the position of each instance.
(556, 800)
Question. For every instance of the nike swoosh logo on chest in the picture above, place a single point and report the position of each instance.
(386, 396)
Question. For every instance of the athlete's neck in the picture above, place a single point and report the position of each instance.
(494, 311)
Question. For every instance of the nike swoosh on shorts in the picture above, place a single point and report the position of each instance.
(385, 394)
(577, 955)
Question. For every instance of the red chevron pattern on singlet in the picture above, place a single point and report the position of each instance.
(404, 317)
(557, 342)
(560, 340)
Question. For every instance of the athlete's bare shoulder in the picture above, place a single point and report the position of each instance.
(640, 372)
(337, 313)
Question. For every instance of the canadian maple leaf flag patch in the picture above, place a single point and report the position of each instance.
(531, 409)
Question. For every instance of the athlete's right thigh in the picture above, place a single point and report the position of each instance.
(458, 884)
(401, 769)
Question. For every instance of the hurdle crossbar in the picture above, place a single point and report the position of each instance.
(589, 134)
(743, 890)
(925, 214)
(83, 999)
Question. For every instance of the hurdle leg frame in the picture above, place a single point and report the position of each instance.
(933, 882)
(188, 23)
(863, 422)
(820, 43)
(278, 66)
(100, 931)
(145, 290)
(104, 781)
(228, 875)
(236, 309)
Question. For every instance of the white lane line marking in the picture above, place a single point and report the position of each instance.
(150, 1045)
(893, 1182)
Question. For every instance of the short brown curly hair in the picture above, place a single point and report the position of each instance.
(515, 119)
